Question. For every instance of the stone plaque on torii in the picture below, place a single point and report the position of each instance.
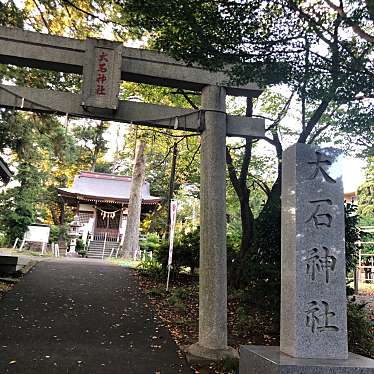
(103, 64)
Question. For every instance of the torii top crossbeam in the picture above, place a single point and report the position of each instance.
(49, 52)
(58, 53)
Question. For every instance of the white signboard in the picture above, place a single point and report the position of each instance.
(173, 216)
(37, 233)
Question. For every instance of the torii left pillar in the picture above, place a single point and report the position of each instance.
(212, 344)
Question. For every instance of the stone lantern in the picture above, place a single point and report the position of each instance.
(73, 234)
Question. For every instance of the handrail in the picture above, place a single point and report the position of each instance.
(102, 255)
(367, 268)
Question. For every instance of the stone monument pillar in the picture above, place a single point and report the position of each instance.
(313, 336)
(313, 296)
(212, 344)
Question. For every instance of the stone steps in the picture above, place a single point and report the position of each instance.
(95, 249)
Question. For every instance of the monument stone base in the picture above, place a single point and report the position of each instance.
(197, 354)
(269, 360)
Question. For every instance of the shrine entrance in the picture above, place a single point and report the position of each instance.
(103, 64)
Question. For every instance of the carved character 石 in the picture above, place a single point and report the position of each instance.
(320, 219)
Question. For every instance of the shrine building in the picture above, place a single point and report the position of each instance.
(101, 203)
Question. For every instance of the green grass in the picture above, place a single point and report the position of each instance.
(16, 252)
(124, 262)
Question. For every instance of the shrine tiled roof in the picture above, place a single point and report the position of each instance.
(91, 186)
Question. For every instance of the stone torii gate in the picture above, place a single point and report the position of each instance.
(103, 65)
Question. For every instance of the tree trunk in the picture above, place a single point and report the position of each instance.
(62, 212)
(247, 221)
(241, 189)
(247, 225)
(131, 241)
(54, 215)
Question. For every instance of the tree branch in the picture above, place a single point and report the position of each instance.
(313, 120)
(89, 13)
(193, 156)
(356, 28)
(42, 16)
(282, 113)
(317, 133)
(193, 105)
(248, 148)
(232, 172)
(264, 187)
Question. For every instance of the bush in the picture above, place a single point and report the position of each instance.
(352, 236)
(233, 248)
(80, 248)
(151, 242)
(3, 240)
(152, 268)
(185, 252)
(360, 330)
(58, 233)
(53, 234)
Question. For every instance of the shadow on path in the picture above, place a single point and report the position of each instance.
(83, 317)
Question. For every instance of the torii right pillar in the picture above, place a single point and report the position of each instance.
(212, 344)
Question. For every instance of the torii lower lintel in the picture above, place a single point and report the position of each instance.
(62, 103)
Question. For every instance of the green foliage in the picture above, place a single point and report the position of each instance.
(151, 242)
(11, 15)
(80, 248)
(366, 195)
(58, 233)
(272, 36)
(16, 221)
(155, 291)
(92, 145)
(360, 330)
(18, 206)
(177, 297)
(352, 236)
(54, 234)
(151, 268)
(185, 251)
(262, 264)
(367, 245)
